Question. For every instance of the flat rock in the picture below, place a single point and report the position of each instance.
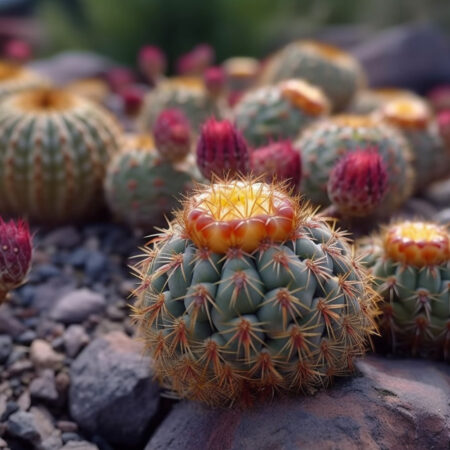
(43, 356)
(77, 306)
(394, 404)
(111, 392)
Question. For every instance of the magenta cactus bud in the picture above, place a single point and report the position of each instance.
(358, 182)
(132, 97)
(214, 78)
(277, 161)
(17, 50)
(222, 150)
(172, 134)
(443, 121)
(120, 77)
(196, 61)
(439, 97)
(15, 255)
(152, 62)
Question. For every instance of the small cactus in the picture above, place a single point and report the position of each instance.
(132, 97)
(18, 51)
(173, 135)
(222, 150)
(152, 62)
(196, 61)
(439, 97)
(120, 77)
(214, 79)
(15, 251)
(358, 183)
(277, 161)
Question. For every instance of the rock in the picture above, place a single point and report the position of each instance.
(394, 404)
(5, 347)
(26, 337)
(48, 293)
(112, 393)
(77, 306)
(24, 401)
(96, 265)
(443, 216)
(439, 193)
(23, 425)
(53, 442)
(43, 422)
(64, 237)
(66, 426)
(79, 445)
(75, 338)
(8, 409)
(44, 388)
(43, 356)
(9, 324)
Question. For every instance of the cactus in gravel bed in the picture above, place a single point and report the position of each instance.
(324, 143)
(15, 78)
(335, 71)
(247, 293)
(141, 187)
(410, 262)
(54, 147)
(278, 112)
(15, 255)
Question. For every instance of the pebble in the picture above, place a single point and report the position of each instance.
(67, 426)
(64, 237)
(75, 338)
(44, 387)
(79, 445)
(27, 337)
(43, 356)
(5, 347)
(23, 426)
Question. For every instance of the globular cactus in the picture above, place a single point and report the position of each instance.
(324, 143)
(173, 135)
(152, 63)
(412, 117)
(241, 73)
(54, 148)
(410, 262)
(15, 251)
(358, 183)
(439, 98)
(141, 187)
(248, 293)
(15, 78)
(277, 161)
(336, 72)
(280, 111)
(222, 150)
(187, 94)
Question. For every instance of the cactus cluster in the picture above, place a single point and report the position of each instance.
(248, 293)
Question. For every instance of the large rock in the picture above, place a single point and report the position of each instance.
(111, 392)
(394, 404)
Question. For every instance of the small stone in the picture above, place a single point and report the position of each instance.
(96, 265)
(5, 347)
(43, 356)
(115, 313)
(3, 443)
(77, 306)
(67, 426)
(24, 401)
(10, 408)
(9, 324)
(443, 216)
(64, 237)
(53, 442)
(26, 338)
(62, 382)
(20, 366)
(68, 437)
(43, 421)
(23, 426)
(79, 445)
(439, 193)
(75, 338)
(44, 388)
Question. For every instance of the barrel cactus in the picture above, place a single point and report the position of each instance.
(15, 78)
(248, 293)
(324, 143)
(281, 111)
(335, 71)
(410, 262)
(141, 187)
(54, 147)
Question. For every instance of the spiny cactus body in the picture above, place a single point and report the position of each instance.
(324, 143)
(14, 78)
(336, 72)
(247, 293)
(278, 112)
(54, 147)
(410, 262)
(241, 73)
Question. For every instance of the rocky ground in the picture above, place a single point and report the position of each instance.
(72, 376)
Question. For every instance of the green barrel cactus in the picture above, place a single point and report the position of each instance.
(410, 262)
(280, 111)
(54, 147)
(248, 293)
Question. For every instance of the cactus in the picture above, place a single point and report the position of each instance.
(18, 51)
(15, 251)
(94, 89)
(141, 187)
(214, 79)
(324, 143)
(172, 134)
(241, 73)
(119, 78)
(410, 262)
(14, 78)
(279, 112)
(358, 183)
(439, 98)
(54, 147)
(277, 161)
(152, 63)
(336, 72)
(412, 117)
(222, 150)
(248, 293)
(187, 94)
(443, 121)
(196, 61)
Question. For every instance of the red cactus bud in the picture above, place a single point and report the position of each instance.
(358, 182)
(277, 161)
(222, 150)
(234, 97)
(17, 50)
(443, 121)
(132, 97)
(172, 133)
(439, 97)
(119, 77)
(152, 62)
(15, 255)
(214, 78)
(196, 61)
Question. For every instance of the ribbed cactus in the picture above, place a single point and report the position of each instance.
(241, 73)
(278, 112)
(336, 72)
(152, 62)
(141, 188)
(15, 255)
(248, 293)
(222, 150)
(324, 143)
(54, 147)
(411, 265)
(14, 78)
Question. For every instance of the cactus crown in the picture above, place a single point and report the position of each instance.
(305, 96)
(407, 112)
(241, 67)
(45, 100)
(329, 52)
(8, 71)
(417, 243)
